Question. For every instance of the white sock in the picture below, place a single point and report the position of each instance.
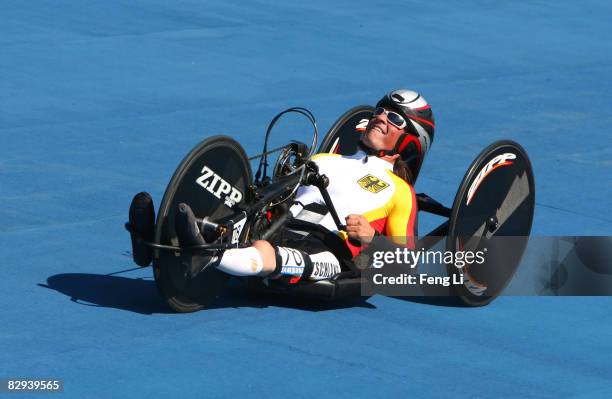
(241, 262)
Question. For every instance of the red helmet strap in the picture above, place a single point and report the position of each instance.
(402, 145)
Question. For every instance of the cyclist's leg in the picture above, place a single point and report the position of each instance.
(304, 260)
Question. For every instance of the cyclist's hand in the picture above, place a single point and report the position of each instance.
(358, 228)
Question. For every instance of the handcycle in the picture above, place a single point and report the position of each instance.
(496, 198)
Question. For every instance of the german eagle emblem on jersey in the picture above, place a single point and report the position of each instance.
(372, 183)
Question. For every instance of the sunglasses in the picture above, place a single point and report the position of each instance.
(396, 119)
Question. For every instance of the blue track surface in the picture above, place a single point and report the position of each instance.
(99, 101)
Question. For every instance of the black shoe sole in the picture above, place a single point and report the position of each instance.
(142, 221)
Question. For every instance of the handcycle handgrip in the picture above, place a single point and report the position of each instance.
(314, 178)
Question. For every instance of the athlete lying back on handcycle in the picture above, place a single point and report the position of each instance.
(371, 190)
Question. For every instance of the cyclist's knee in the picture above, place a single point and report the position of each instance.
(268, 255)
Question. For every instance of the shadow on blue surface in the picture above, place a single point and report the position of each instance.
(141, 296)
(134, 295)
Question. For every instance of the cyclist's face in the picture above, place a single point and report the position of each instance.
(380, 134)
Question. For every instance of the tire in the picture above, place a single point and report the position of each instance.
(492, 211)
(343, 136)
(193, 184)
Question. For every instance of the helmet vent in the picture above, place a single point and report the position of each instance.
(397, 98)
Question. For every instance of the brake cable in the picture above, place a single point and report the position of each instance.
(263, 157)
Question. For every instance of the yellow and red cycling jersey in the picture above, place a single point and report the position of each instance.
(364, 185)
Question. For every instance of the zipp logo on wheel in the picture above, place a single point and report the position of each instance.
(496, 162)
(218, 187)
